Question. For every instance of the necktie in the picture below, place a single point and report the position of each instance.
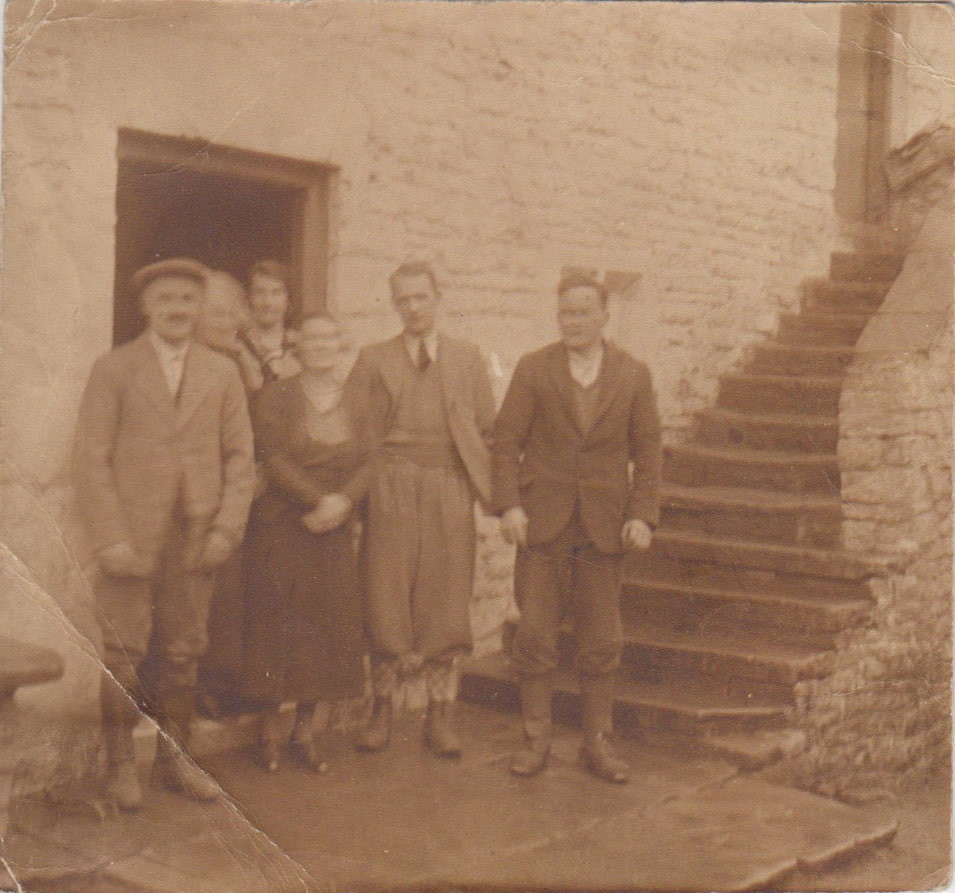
(424, 358)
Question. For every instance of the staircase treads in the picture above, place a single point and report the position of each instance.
(817, 327)
(742, 497)
(676, 707)
(729, 651)
(844, 296)
(718, 427)
(781, 393)
(698, 465)
(824, 563)
(754, 749)
(776, 358)
(760, 515)
(865, 266)
(822, 612)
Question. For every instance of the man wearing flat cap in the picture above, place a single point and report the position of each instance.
(576, 471)
(164, 477)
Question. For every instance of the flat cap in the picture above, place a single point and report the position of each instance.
(572, 278)
(174, 266)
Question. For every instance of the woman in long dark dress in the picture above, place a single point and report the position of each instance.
(303, 635)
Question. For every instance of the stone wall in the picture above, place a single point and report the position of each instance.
(884, 716)
(690, 144)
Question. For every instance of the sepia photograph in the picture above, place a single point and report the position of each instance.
(476, 446)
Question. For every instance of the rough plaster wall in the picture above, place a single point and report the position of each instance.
(927, 71)
(690, 143)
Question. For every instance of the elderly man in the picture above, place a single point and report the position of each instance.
(576, 469)
(431, 408)
(164, 477)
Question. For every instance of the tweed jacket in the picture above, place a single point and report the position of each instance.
(466, 392)
(138, 449)
(543, 461)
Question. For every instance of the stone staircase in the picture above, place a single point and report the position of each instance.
(745, 588)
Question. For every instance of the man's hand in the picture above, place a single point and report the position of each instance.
(332, 510)
(636, 534)
(217, 549)
(514, 526)
(120, 560)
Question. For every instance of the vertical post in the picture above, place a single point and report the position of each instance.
(863, 120)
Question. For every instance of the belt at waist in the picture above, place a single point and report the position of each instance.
(431, 455)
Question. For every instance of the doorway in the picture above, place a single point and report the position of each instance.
(225, 207)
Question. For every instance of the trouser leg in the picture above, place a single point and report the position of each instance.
(376, 735)
(124, 607)
(181, 612)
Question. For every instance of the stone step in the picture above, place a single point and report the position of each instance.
(865, 266)
(687, 558)
(640, 707)
(808, 619)
(733, 662)
(696, 465)
(833, 296)
(718, 427)
(816, 327)
(799, 359)
(754, 749)
(813, 395)
(767, 516)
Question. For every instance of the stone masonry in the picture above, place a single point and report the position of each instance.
(884, 714)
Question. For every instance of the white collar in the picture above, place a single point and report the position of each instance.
(430, 342)
(584, 370)
(171, 352)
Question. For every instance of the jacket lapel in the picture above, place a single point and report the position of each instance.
(196, 382)
(447, 370)
(608, 380)
(150, 381)
(563, 384)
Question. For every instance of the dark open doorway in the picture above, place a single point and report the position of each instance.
(222, 206)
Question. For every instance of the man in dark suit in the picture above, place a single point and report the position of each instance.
(576, 470)
(430, 408)
(164, 478)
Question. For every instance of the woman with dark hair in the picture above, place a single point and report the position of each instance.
(267, 341)
(303, 631)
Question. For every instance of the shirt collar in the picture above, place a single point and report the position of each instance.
(430, 342)
(167, 351)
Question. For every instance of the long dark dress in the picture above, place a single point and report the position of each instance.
(303, 632)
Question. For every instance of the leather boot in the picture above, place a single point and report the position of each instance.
(439, 735)
(536, 694)
(269, 751)
(120, 716)
(303, 745)
(173, 768)
(597, 755)
(377, 734)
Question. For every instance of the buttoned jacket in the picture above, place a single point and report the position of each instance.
(139, 450)
(545, 462)
(465, 391)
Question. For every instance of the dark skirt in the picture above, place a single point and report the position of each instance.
(303, 626)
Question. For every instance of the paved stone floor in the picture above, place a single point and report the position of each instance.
(403, 820)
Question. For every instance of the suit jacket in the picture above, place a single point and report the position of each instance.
(138, 449)
(465, 389)
(543, 461)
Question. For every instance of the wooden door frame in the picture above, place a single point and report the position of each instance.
(314, 183)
